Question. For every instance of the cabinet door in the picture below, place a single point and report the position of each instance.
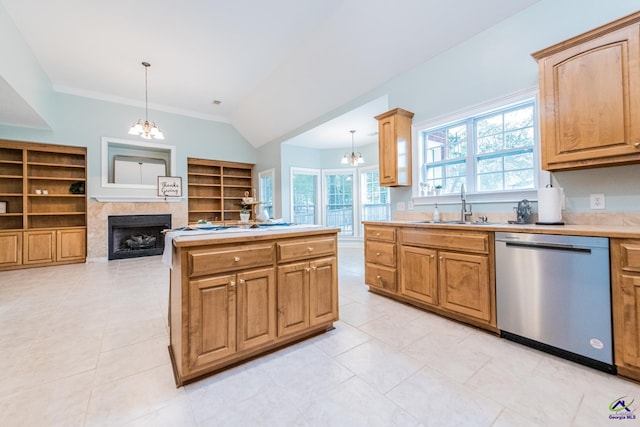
(293, 298)
(418, 274)
(10, 249)
(627, 329)
(323, 291)
(256, 308)
(590, 101)
(212, 319)
(39, 247)
(464, 284)
(71, 245)
(387, 152)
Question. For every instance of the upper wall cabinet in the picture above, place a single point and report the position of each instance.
(394, 145)
(590, 98)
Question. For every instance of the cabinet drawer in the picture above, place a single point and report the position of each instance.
(381, 253)
(380, 277)
(231, 258)
(306, 248)
(455, 240)
(630, 256)
(387, 234)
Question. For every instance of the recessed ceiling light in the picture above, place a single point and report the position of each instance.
(216, 102)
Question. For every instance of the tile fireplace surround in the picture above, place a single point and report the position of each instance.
(98, 213)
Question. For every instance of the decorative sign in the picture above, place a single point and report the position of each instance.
(169, 186)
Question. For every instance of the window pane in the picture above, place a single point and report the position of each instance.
(304, 199)
(518, 179)
(376, 205)
(490, 182)
(491, 164)
(339, 202)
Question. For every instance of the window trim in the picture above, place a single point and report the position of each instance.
(543, 177)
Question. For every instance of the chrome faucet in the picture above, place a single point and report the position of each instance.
(464, 213)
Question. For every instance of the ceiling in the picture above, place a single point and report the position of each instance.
(274, 65)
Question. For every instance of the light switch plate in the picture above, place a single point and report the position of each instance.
(400, 206)
(597, 201)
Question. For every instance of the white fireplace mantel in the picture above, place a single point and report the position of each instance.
(125, 199)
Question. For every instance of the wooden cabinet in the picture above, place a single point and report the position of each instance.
(233, 298)
(380, 257)
(394, 147)
(444, 270)
(216, 189)
(307, 291)
(35, 186)
(10, 249)
(590, 98)
(625, 290)
(230, 313)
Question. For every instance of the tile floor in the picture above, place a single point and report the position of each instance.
(86, 345)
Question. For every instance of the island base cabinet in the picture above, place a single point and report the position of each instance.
(307, 295)
(212, 319)
(233, 299)
(230, 313)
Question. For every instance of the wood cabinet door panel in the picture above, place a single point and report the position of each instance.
(293, 298)
(590, 100)
(630, 256)
(418, 274)
(629, 326)
(10, 249)
(39, 247)
(212, 319)
(256, 298)
(323, 291)
(71, 245)
(387, 152)
(464, 284)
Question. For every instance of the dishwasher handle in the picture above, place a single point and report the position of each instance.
(552, 246)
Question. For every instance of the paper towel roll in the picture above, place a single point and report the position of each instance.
(550, 205)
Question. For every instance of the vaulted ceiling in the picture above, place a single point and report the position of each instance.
(273, 65)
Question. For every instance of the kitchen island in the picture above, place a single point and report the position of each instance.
(237, 293)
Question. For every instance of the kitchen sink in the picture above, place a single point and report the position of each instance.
(458, 222)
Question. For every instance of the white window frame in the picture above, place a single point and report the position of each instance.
(356, 204)
(541, 178)
(362, 191)
(306, 171)
(264, 174)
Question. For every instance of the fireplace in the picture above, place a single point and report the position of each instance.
(132, 236)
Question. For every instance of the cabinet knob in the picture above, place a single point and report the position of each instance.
(314, 268)
(433, 256)
(377, 253)
(378, 277)
(242, 282)
(307, 269)
(636, 145)
(236, 259)
(440, 258)
(377, 234)
(232, 284)
(310, 249)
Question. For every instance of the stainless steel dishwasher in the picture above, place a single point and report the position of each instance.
(553, 293)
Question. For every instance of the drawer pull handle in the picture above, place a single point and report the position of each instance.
(310, 249)
(236, 259)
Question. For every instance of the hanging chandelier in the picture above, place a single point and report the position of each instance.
(354, 159)
(146, 129)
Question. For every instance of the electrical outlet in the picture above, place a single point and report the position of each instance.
(400, 206)
(597, 201)
(410, 205)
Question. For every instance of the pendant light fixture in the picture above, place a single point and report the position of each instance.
(355, 158)
(146, 129)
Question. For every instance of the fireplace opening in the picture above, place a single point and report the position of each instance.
(132, 236)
